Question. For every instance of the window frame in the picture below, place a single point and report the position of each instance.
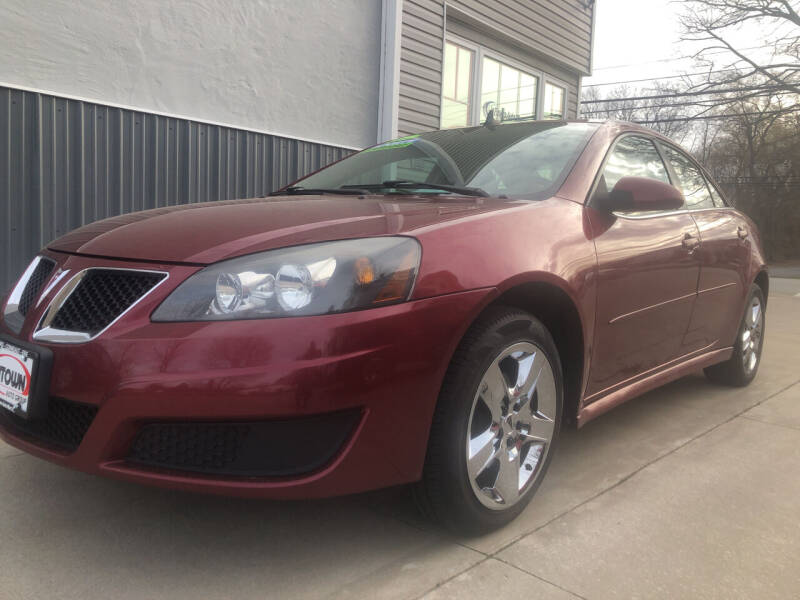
(659, 143)
(555, 82)
(667, 170)
(475, 118)
(470, 94)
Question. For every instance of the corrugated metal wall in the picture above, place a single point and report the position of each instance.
(65, 163)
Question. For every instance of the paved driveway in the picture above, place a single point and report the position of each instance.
(692, 491)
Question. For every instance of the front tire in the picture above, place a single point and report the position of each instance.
(496, 424)
(741, 368)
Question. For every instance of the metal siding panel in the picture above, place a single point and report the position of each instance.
(183, 161)
(89, 162)
(65, 163)
(101, 163)
(424, 60)
(542, 27)
(430, 88)
(74, 143)
(203, 154)
(243, 157)
(222, 162)
(114, 171)
(47, 164)
(430, 43)
(229, 144)
(139, 161)
(16, 176)
(171, 174)
(425, 7)
(413, 19)
(30, 225)
(162, 183)
(149, 161)
(259, 162)
(61, 195)
(5, 180)
(126, 161)
(14, 173)
(421, 66)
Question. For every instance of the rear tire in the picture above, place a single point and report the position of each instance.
(741, 368)
(496, 424)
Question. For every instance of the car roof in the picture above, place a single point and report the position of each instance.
(615, 126)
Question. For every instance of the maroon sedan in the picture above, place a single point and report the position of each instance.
(429, 310)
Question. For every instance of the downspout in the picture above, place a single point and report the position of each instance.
(389, 90)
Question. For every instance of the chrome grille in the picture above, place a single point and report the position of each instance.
(37, 280)
(101, 296)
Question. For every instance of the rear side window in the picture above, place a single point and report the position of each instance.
(634, 156)
(690, 180)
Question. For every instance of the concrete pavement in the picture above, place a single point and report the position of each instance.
(789, 269)
(691, 491)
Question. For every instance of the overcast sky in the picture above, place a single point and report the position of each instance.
(636, 39)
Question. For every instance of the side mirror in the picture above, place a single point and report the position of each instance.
(640, 194)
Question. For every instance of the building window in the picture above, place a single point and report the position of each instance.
(457, 86)
(554, 96)
(510, 91)
(476, 80)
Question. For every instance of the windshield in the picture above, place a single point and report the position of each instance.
(515, 160)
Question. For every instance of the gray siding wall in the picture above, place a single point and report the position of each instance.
(421, 58)
(551, 36)
(559, 30)
(65, 163)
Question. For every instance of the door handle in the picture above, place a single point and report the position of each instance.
(690, 242)
(742, 232)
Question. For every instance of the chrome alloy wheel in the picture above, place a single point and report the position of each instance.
(751, 334)
(511, 425)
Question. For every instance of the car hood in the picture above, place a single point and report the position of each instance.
(213, 231)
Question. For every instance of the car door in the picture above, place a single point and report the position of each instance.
(647, 275)
(723, 254)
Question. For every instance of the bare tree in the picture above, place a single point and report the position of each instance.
(712, 22)
(659, 107)
(756, 156)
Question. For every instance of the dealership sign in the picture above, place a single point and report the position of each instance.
(16, 366)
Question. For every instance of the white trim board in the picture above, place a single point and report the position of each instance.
(389, 90)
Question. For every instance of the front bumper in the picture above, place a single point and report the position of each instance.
(384, 366)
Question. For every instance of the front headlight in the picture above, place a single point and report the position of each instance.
(315, 279)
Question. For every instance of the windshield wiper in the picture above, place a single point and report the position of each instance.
(402, 184)
(294, 190)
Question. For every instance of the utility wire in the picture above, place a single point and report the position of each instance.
(764, 88)
(658, 60)
(665, 77)
(713, 117)
(697, 104)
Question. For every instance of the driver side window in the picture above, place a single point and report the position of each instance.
(633, 156)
